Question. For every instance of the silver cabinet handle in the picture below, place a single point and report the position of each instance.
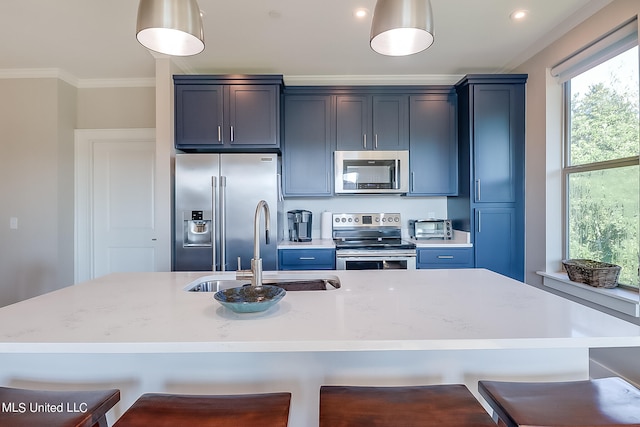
(232, 134)
(307, 258)
(413, 181)
(479, 221)
(376, 141)
(364, 140)
(478, 189)
(445, 256)
(219, 133)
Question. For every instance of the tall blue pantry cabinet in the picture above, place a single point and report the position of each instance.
(490, 204)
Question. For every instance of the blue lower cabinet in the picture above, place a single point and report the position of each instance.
(498, 241)
(306, 259)
(444, 257)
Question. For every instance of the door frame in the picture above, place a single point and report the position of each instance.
(84, 141)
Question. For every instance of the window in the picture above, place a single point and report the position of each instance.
(601, 171)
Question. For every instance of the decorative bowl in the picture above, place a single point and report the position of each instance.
(250, 299)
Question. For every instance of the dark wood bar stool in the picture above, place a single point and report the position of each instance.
(173, 410)
(413, 406)
(36, 408)
(600, 402)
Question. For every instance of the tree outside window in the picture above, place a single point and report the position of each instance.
(601, 165)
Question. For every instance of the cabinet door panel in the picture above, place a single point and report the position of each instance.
(494, 149)
(253, 115)
(307, 153)
(352, 123)
(199, 115)
(496, 241)
(390, 122)
(433, 144)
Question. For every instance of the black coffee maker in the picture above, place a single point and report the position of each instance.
(299, 225)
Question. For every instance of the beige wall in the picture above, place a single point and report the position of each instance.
(543, 136)
(37, 122)
(32, 172)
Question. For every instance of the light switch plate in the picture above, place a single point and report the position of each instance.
(13, 223)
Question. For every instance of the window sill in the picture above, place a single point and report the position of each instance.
(618, 299)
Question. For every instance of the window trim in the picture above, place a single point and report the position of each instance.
(567, 170)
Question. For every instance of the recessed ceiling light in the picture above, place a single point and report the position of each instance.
(519, 15)
(360, 13)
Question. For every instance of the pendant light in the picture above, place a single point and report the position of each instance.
(172, 27)
(401, 27)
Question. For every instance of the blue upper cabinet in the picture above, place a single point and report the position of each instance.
(496, 142)
(307, 145)
(372, 122)
(490, 204)
(433, 144)
(199, 115)
(227, 112)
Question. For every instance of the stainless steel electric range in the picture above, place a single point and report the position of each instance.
(371, 241)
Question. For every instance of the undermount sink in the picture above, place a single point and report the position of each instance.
(287, 281)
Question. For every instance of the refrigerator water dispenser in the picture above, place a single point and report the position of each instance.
(197, 229)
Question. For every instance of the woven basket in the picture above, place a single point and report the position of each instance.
(593, 273)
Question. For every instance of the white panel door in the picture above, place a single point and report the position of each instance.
(123, 220)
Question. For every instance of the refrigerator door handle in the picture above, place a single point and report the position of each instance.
(223, 225)
(214, 187)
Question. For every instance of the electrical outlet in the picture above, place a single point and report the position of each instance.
(13, 223)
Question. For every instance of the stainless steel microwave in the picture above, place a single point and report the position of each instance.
(371, 172)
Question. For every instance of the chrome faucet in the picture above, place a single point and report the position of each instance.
(256, 262)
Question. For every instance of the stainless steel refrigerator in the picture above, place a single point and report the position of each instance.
(215, 201)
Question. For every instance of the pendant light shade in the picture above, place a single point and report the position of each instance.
(401, 27)
(172, 27)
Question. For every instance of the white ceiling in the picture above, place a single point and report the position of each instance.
(95, 39)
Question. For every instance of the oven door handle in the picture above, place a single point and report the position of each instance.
(374, 257)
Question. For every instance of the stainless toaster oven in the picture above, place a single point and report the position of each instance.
(430, 229)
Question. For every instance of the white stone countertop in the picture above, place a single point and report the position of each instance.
(373, 310)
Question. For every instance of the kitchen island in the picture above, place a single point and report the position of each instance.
(142, 332)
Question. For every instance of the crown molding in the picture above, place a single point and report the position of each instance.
(358, 80)
(39, 73)
(56, 73)
(291, 80)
